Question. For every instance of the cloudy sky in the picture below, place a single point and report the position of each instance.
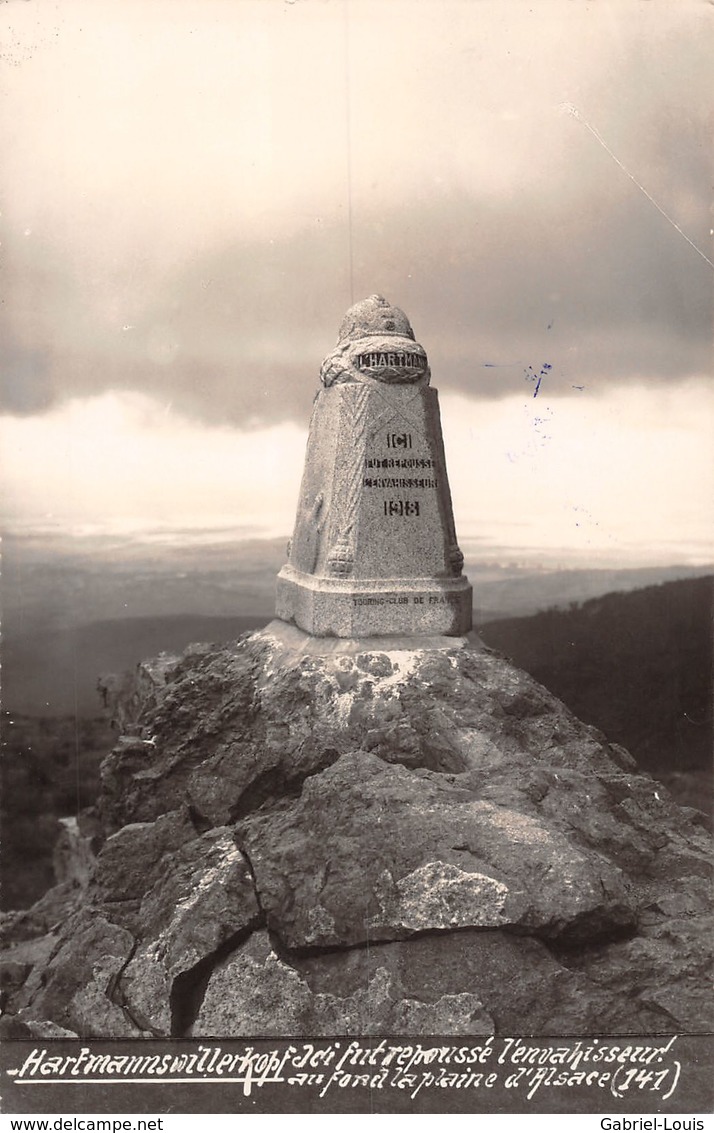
(194, 191)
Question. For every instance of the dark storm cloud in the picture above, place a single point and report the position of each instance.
(606, 292)
(25, 386)
(515, 237)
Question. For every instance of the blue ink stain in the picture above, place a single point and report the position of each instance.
(531, 376)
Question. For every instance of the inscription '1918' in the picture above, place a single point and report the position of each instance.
(401, 507)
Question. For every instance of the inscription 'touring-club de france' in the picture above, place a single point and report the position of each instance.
(374, 548)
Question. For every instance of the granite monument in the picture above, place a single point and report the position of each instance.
(374, 548)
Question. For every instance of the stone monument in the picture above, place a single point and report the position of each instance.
(374, 548)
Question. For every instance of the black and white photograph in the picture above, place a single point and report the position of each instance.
(358, 558)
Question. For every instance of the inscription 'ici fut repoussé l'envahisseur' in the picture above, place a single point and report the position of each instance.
(374, 548)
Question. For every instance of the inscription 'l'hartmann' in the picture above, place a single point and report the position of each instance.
(396, 358)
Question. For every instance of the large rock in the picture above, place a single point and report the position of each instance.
(378, 837)
(469, 983)
(74, 987)
(203, 899)
(372, 851)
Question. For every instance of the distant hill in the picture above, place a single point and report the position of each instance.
(55, 673)
(516, 591)
(637, 665)
(49, 769)
(75, 608)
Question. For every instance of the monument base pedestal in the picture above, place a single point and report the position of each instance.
(350, 607)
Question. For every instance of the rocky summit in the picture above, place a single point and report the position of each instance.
(303, 836)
